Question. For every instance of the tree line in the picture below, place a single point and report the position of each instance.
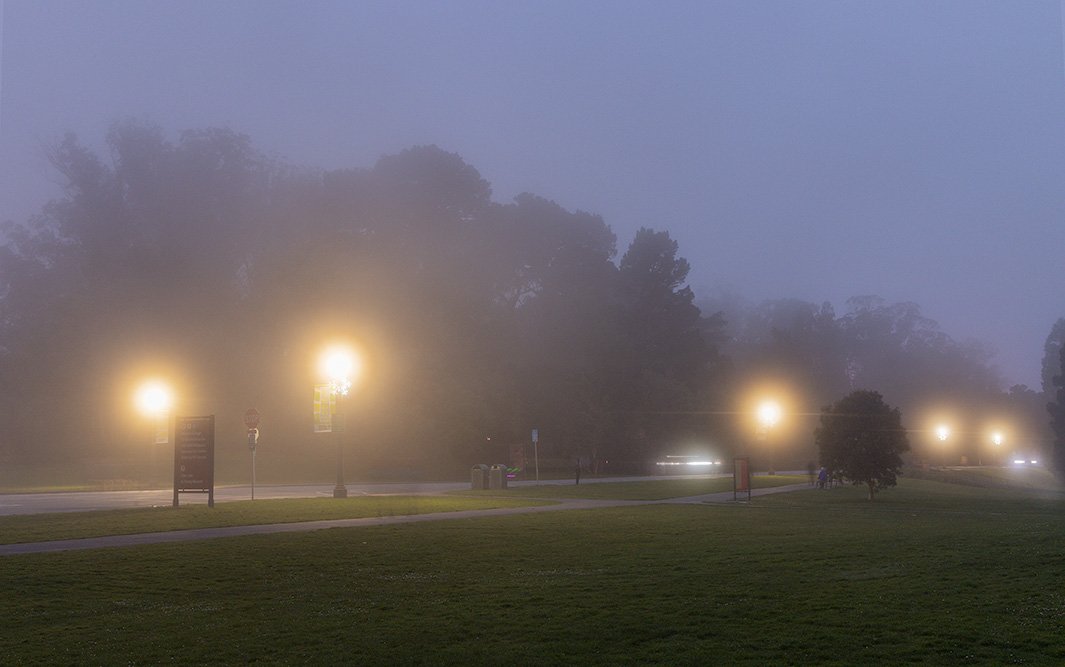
(204, 260)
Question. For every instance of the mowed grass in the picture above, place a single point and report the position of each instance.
(1012, 477)
(930, 573)
(74, 525)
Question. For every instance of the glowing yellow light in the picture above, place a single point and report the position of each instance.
(340, 366)
(996, 438)
(942, 432)
(154, 398)
(769, 413)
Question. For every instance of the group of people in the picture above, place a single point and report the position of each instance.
(825, 479)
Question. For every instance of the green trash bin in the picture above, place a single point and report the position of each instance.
(479, 477)
(497, 476)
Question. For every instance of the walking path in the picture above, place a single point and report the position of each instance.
(306, 526)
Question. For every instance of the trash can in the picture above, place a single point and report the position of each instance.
(497, 476)
(479, 477)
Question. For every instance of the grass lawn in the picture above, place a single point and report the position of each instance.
(930, 573)
(1029, 477)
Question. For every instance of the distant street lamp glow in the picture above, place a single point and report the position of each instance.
(996, 438)
(769, 413)
(942, 433)
(154, 398)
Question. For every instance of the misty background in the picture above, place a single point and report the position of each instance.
(796, 153)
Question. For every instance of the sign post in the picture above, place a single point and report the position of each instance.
(194, 457)
(536, 452)
(251, 420)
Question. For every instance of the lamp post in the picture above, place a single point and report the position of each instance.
(996, 440)
(769, 413)
(154, 399)
(942, 433)
(338, 365)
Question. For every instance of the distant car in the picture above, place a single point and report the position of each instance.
(687, 465)
(1022, 460)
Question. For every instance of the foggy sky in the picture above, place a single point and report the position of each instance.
(815, 150)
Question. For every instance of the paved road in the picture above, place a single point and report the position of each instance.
(307, 526)
(40, 503)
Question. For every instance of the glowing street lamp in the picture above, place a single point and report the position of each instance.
(154, 398)
(769, 414)
(997, 439)
(339, 365)
(942, 433)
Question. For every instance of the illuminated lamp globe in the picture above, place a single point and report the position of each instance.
(339, 365)
(769, 413)
(154, 398)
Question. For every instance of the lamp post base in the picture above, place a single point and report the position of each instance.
(340, 492)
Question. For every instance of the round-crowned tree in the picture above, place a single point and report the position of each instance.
(861, 438)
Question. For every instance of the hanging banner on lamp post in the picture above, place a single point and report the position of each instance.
(325, 406)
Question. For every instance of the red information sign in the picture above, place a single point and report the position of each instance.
(741, 477)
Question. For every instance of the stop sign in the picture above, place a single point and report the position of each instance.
(251, 417)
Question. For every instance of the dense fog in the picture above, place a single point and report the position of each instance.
(199, 259)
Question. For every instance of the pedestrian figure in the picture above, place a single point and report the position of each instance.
(578, 472)
(822, 477)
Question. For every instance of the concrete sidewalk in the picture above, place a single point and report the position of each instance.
(307, 526)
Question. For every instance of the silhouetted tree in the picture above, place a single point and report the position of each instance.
(572, 358)
(668, 359)
(893, 346)
(796, 341)
(1057, 415)
(1051, 366)
(861, 438)
(140, 258)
